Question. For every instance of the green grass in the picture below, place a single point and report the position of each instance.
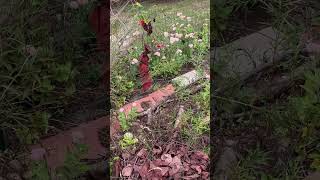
(42, 55)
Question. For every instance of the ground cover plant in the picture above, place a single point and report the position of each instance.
(173, 139)
(268, 122)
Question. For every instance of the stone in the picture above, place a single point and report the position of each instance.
(187, 78)
(246, 54)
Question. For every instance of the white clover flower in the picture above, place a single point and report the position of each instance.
(166, 34)
(174, 28)
(163, 57)
(188, 25)
(189, 18)
(191, 35)
(179, 14)
(178, 35)
(136, 33)
(190, 45)
(125, 43)
(157, 54)
(199, 40)
(134, 61)
(173, 40)
(181, 25)
(179, 51)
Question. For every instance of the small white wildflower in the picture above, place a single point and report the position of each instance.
(179, 14)
(190, 45)
(181, 25)
(137, 33)
(125, 43)
(189, 18)
(174, 28)
(199, 40)
(205, 24)
(74, 5)
(178, 35)
(121, 110)
(191, 35)
(119, 77)
(179, 51)
(163, 57)
(157, 54)
(173, 40)
(127, 37)
(135, 47)
(183, 17)
(134, 61)
(166, 34)
(188, 25)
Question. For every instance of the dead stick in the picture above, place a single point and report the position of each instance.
(179, 117)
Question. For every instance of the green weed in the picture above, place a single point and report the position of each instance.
(127, 141)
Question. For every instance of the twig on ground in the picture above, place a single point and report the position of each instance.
(179, 117)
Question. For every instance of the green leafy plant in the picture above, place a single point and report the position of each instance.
(125, 120)
(128, 140)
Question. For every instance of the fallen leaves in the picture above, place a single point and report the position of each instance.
(176, 162)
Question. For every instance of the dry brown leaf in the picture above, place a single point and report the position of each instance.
(157, 149)
(127, 171)
(197, 168)
(142, 153)
(167, 158)
(194, 176)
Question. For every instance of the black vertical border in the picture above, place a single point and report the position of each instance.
(213, 112)
(105, 4)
